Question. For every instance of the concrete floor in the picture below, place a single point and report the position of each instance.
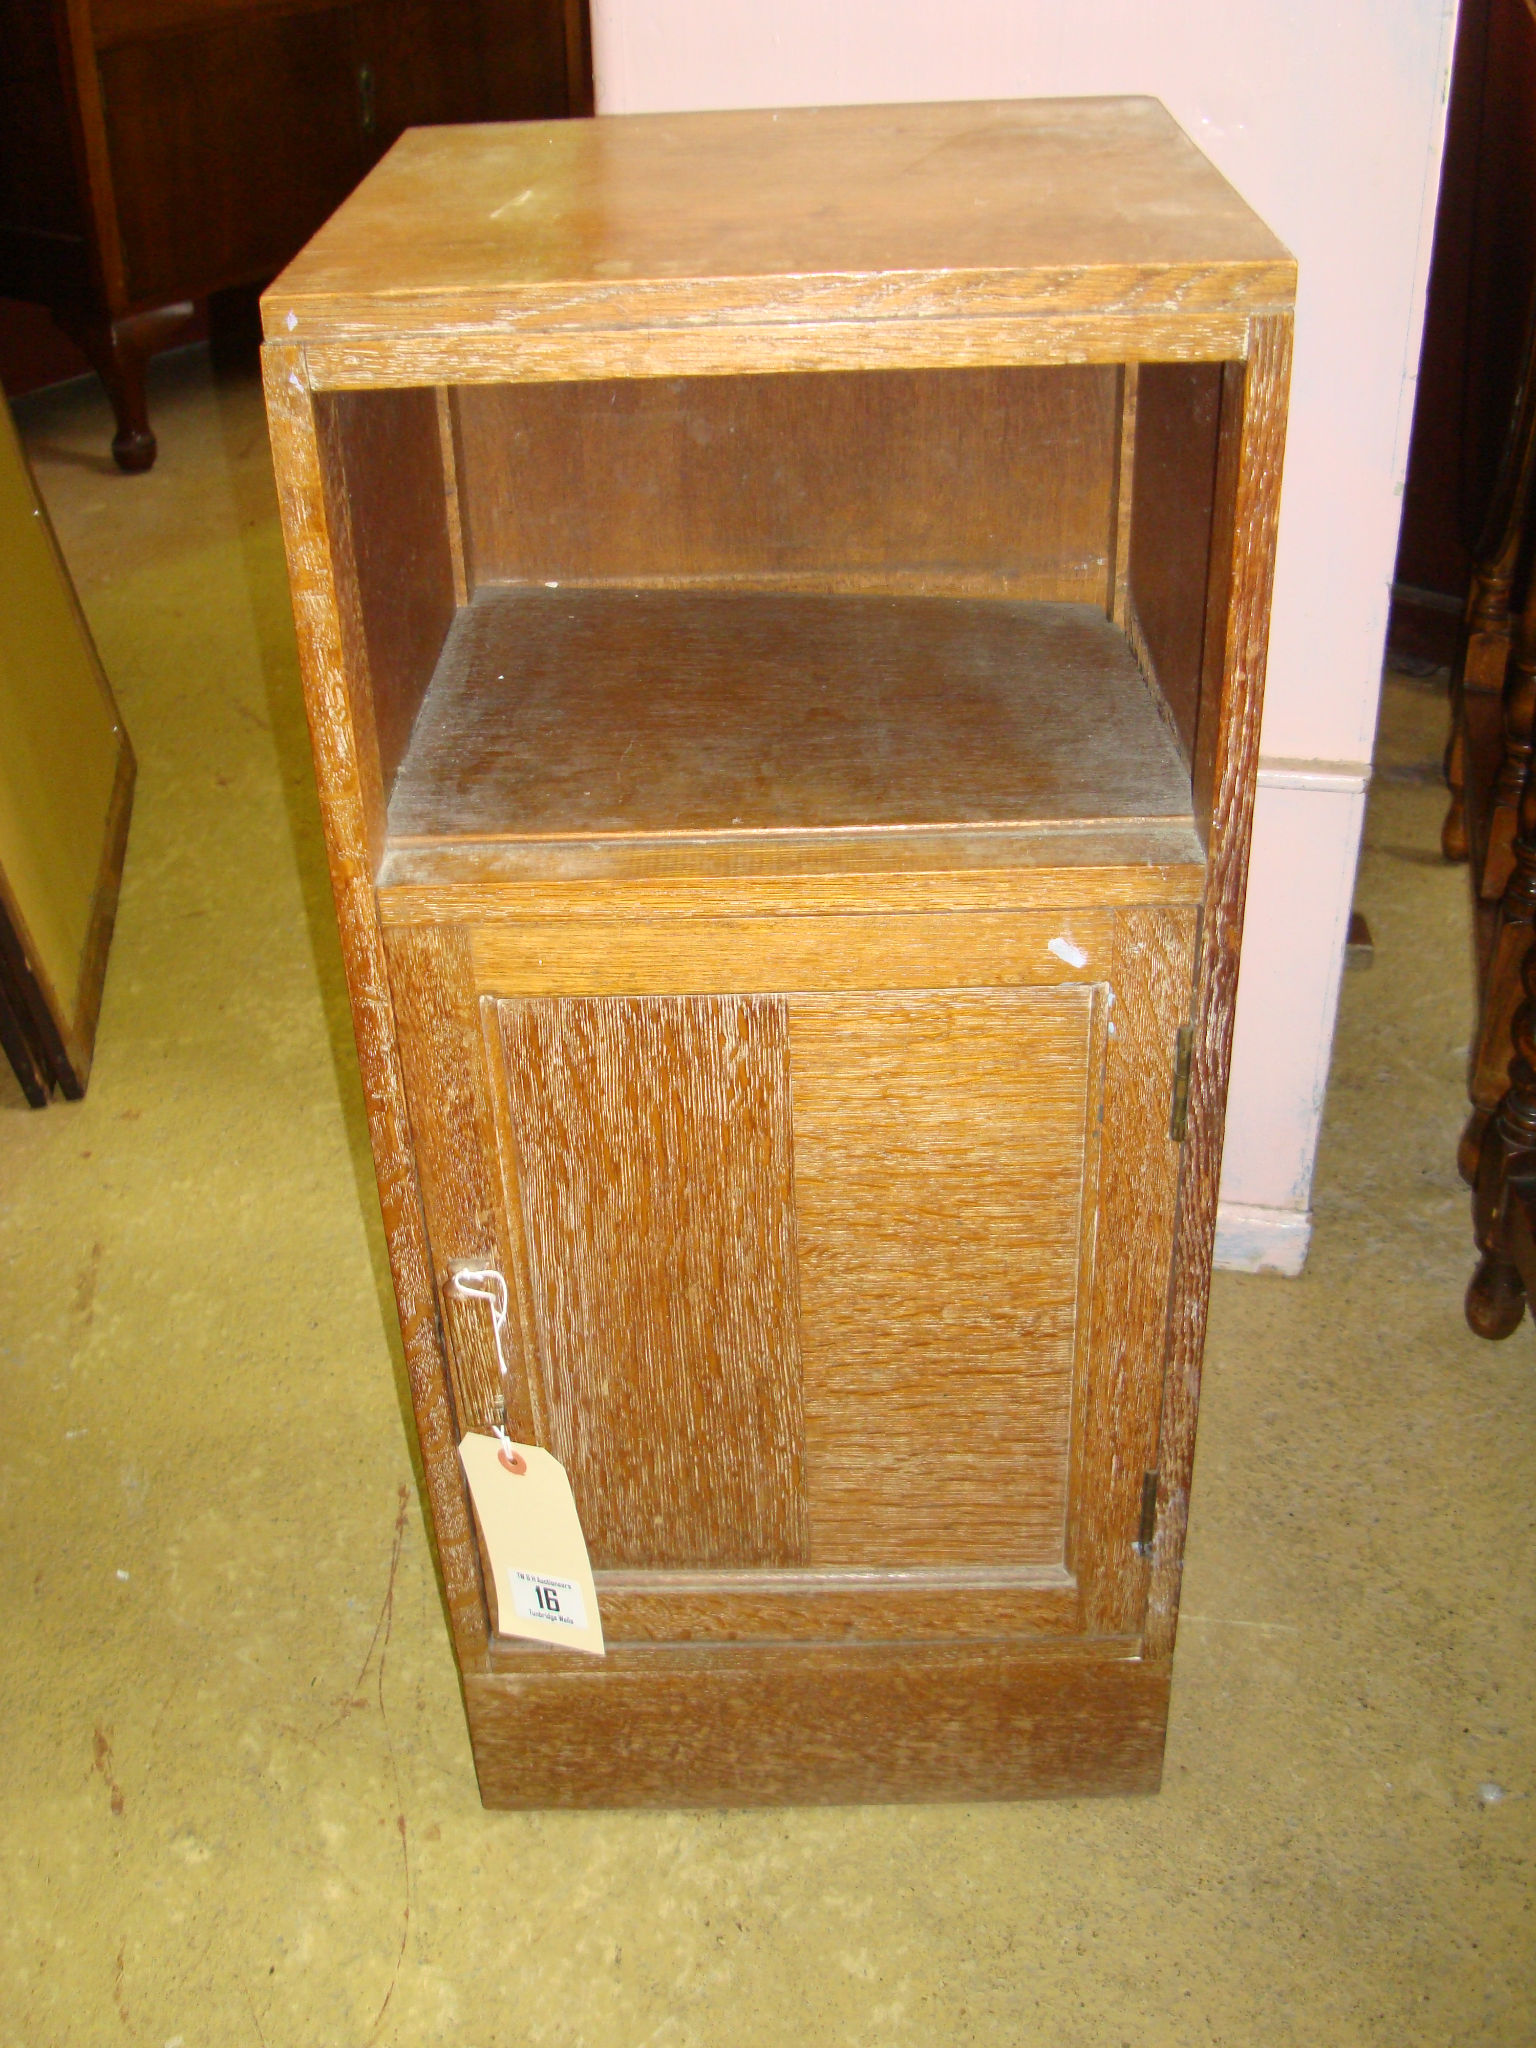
(237, 1803)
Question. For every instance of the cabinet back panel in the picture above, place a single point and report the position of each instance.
(990, 481)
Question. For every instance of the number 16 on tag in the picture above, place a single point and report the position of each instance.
(539, 1599)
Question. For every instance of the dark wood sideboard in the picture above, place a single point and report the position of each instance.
(153, 152)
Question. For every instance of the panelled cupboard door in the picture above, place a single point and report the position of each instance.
(839, 1250)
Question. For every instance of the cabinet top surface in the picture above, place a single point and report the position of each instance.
(1087, 206)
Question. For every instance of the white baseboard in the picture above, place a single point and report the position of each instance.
(1255, 1240)
(1306, 837)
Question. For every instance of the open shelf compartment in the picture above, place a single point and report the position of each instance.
(605, 714)
(957, 613)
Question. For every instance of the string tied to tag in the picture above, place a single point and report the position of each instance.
(484, 1283)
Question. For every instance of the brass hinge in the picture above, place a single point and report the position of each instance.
(1147, 1534)
(1178, 1120)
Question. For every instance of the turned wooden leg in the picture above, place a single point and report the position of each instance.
(1482, 658)
(118, 351)
(1469, 1152)
(1501, 994)
(1502, 991)
(1519, 722)
(1495, 1298)
(1453, 833)
(1506, 1164)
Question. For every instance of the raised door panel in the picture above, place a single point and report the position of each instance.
(941, 1160)
(651, 1159)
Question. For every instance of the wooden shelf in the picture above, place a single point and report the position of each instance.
(590, 716)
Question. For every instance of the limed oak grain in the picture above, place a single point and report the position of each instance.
(988, 483)
(874, 214)
(793, 1725)
(650, 1143)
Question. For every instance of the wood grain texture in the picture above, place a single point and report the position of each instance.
(452, 460)
(228, 144)
(1177, 414)
(837, 1606)
(1114, 1242)
(473, 60)
(1499, 826)
(1120, 1393)
(1263, 386)
(991, 482)
(154, 152)
(786, 1199)
(799, 1726)
(873, 213)
(1214, 704)
(654, 1176)
(385, 462)
(790, 875)
(443, 1062)
(1502, 1189)
(1122, 498)
(739, 956)
(939, 1155)
(1503, 930)
(341, 771)
(1019, 337)
(132, 21)
(364, 785)
(594, 713)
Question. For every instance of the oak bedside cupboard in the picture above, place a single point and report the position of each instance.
(782, 600)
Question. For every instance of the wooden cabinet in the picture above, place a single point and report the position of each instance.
(155, 151)
(783, 604)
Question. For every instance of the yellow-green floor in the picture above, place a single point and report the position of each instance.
(236, 1798)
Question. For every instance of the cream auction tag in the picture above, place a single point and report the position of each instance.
(538, 1554)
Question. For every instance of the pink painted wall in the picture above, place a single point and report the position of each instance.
(1327, 116)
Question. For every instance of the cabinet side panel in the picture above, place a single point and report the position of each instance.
(1214, 704)
(1178, 407)
(385, 459)
(994, 481)
(349, 807)
(939, 1157)
(654, 1173)
(1257, 395)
